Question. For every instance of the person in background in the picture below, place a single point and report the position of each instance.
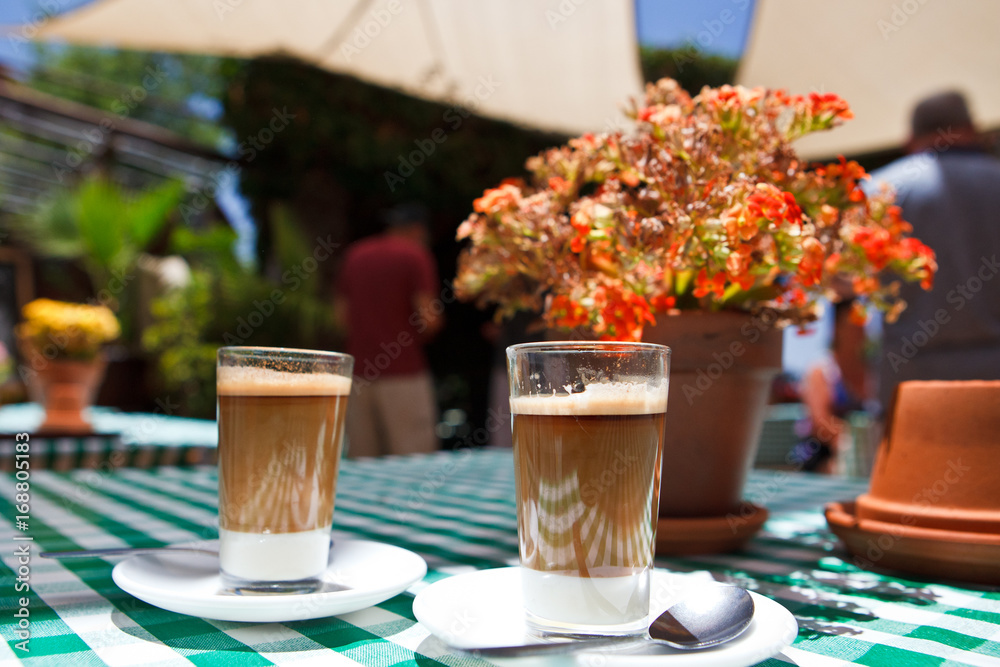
(387, 303)
(839, 384)
(949, 189)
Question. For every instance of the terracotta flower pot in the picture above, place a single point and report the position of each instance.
(65, 389)
(938, 466)
(933, 507)
(722, 368)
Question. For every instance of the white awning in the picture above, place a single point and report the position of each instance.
(565, 66)
(882, 56)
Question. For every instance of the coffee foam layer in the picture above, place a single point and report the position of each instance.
(252, 381)
(612, 398)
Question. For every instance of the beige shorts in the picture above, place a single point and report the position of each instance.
(393, 415)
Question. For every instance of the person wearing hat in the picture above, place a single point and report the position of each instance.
(948, 187)
(387, 301)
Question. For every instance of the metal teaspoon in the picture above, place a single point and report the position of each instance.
(126, 551)
(704, 617)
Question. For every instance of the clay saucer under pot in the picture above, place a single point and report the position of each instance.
(933, 507)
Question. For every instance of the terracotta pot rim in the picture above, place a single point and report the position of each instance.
(937, 554)
(843, 514)
(874, 508)
(679, 536)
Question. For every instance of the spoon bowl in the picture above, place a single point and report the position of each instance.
(706, 618)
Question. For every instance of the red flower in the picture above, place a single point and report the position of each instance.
(566, 313)
(705, 285)
(811, 265)
(497, 199)
(910, 249)
(581, 224)
(774, 205)
(662, 304)
(858, 314)
(559, 185)
(738, 266)
(795, 297)
(829, 104)
(875, 243)
(625, 313)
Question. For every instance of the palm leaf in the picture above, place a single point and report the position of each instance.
(148, 213)
(101, 219)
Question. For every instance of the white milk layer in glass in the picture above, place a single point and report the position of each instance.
(274, 556)
(603, 602)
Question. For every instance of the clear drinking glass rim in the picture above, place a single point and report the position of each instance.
(583, 346)
(285, 350)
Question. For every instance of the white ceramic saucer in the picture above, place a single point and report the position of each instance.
(484, 610)
(189, 583)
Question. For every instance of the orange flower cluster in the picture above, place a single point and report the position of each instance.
(703, 204)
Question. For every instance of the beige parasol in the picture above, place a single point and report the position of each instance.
(882, 56)
(561, 65)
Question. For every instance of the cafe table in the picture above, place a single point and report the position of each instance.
(456, 510)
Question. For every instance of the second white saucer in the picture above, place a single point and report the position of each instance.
(361, 574)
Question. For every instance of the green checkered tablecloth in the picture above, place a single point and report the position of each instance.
(456, 510)
(134, 439)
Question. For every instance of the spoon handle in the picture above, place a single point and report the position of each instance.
(560, 647)
(123, 551)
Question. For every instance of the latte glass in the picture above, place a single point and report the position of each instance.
(281, 425)
(587, 421)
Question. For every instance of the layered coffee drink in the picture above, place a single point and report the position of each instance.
(280, 441)
(588, 477)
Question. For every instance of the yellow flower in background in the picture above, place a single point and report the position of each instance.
(58, 329)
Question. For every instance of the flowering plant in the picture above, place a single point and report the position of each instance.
(61, 330)
(703, 204)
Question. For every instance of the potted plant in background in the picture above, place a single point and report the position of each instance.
(106, 229)
(698, 227)
(63, 365)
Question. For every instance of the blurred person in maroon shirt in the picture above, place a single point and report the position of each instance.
(387, 301)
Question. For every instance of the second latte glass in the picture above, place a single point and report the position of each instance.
(587, 422)
(281, 423)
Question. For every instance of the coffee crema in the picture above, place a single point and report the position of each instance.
(588, 479)
(280, 441)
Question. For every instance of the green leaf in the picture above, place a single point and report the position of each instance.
(216, 240)
(682, 281)
(148, 213)
(100, 219)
